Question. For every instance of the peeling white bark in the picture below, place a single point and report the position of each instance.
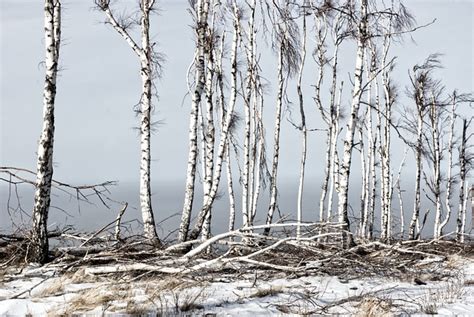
(146, 73)
(44, 171)
(343, 216)
(449, 181)
(418, 160)
(224, 135)
(276, 143)
(304, 132)
(463, 185)
(249, 92)
(434, 116)
(202, 12)
(147, 65)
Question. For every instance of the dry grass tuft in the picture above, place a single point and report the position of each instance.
(135, 308)
(89, 300)
(188, 301)
(374, 307)
(53, 288)
(452, 290)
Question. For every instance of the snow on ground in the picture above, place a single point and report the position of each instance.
(39, 292)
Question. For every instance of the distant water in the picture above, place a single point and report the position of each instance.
(167, 204)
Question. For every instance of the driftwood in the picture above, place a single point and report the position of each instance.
(317, 251)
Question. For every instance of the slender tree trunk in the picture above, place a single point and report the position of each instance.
(419, 164)
(385, 152)
(39, 247)
(364, 182)
(304, 131)
(449, 181)
(209, 129)
(220, 85)
(259, 154)
(147, 65)
(146, 73)
(436, 165)
(201, 12)
(334, 156)
(224, 135)
(230, 188)
(399, 192)
(321, 62)
(463, 188)
(351, 126)
(249, 91)
(368, 180)
(276, 143)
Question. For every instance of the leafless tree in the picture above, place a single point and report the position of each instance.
(466, 162)
(226, 127)
(149, 64)
(421, 84)
(199, 9)
(286, 44)
(361, 38)
(44, 171)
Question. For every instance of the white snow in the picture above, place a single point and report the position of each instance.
(227, 296)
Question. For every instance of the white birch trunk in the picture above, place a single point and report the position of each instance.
(436, 166)
(452, 120)
(44, 172)
(224, 135)
(208, 132)
(385, 154)
(364, 182)
(276, 143)
(304, 132)
(419, 165)
(230, 186)
(145, 54)
(366, 199)
(246, 182)
(334, 156)
(321, 31)
(202, 12)
(259, 155)
(146, 74)
(463, 186)
(343, 216)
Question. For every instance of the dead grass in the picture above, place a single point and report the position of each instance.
(90, 299)
(268, 291)
(374, 307)
(53, 288)
(447, 294)
(135, 308)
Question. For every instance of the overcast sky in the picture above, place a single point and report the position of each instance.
(99, 84)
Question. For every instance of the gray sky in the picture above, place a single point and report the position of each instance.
(100, 83)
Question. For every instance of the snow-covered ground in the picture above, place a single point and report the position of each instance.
(39, 292)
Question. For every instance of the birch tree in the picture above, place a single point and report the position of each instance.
(39, 247)
(466, 160)
(421, 82)
(303, 128)
(286, 44)
(450, 149)
(149, 63)
(225, 130)
(362, 36)
(200, 9)
(434, 185)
